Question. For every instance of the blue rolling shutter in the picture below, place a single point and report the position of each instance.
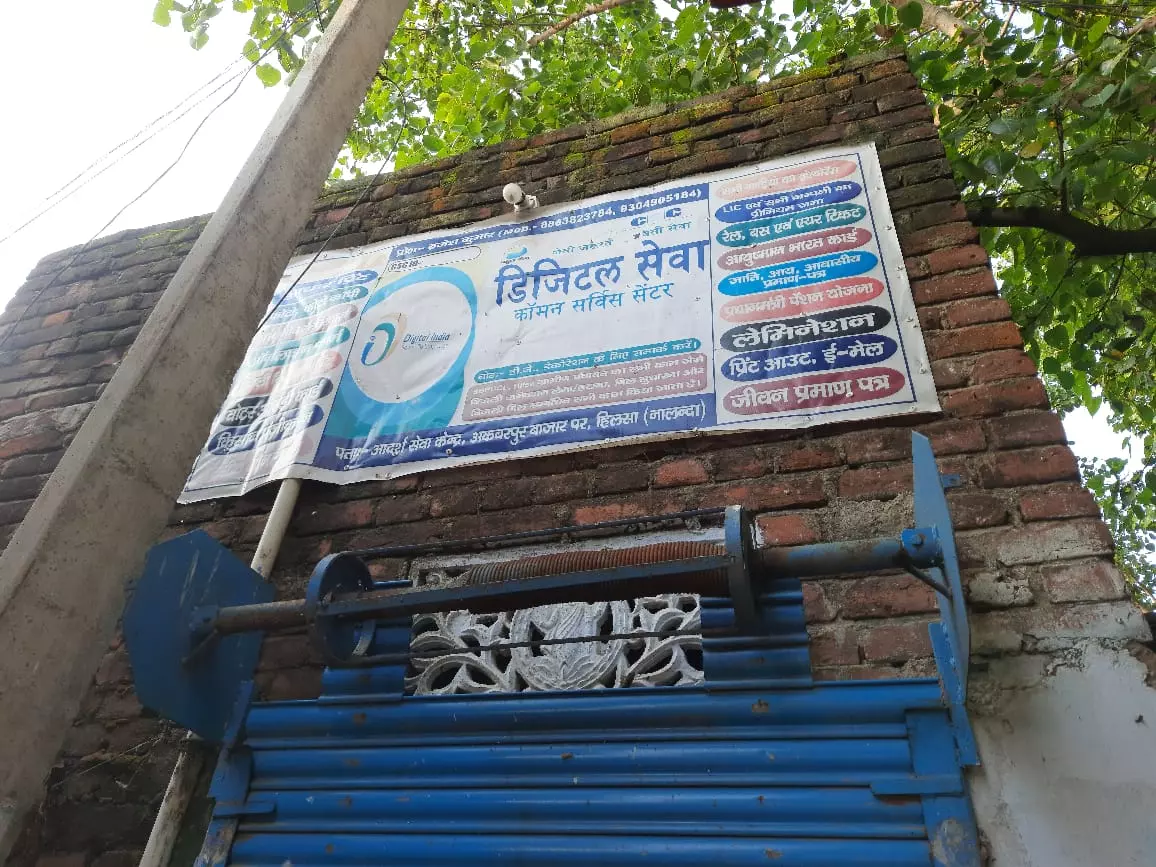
(758, 766)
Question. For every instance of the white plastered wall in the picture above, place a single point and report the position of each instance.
(1068, 744)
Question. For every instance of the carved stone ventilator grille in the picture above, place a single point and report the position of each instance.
(673, 660)
(670, 658)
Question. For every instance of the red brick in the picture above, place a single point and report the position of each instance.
(1002, 364)
(224, 531)
(1059, 501)
(740, 463)
(56, 318)
(11, 407)
(959, 284)
(41, 441)
(952, 437)
(972, 509)
(937, 237)
(816, 607)
(559, 488)
(807, 456)
(898, 66)
(1083, 581)
(996, 398)
(949, 373)
(929, 216)
(608, 512)
(331, 217)
(1029, 467)
(976, 338)
(838, 647)
(324, 518)
(617, 478)
(506, 493)
(486, 473)
(901, 99)
(882, 444)
(916, 124)
(1026, 429)
(794, 492)
(884, 86)
(400, 509)
(786, 529)
(875, 483)
(685, 471)
(886, 597)
(854, 112)
(1039, 542)
(955, 259)
(973, 311)
(896, 642)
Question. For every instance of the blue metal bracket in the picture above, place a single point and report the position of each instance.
(230, 788)
(948, 816)
(182, 674)
(931, 511)
(950, 637)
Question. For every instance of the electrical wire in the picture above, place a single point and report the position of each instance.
(122, 156)
(183, 107)
(188, 142)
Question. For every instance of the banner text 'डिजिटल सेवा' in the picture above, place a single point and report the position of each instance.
(764, 297)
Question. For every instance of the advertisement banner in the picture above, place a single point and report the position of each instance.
(764, 297)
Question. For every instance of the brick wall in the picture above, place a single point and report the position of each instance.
(1037, 557)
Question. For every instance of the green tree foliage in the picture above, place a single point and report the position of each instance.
(1047, 110)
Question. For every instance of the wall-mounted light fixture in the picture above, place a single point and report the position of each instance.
(519, 198)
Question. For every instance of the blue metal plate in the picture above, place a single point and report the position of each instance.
(183, 575)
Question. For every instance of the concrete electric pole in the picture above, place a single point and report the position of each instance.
(63, 576)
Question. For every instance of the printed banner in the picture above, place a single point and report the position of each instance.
(768, 296)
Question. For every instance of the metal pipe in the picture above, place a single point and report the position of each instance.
(833, 558)
(275, 526)
(589, 576)
(178, 795)
(262, 617)
(183, 782)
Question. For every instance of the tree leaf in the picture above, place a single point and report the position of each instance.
(1057, 337)
(1101, 97)
(911, 15)
(162, 13)
(268, 74)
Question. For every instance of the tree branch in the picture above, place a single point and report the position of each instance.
(1144, 26)
(570, 20)
(943, 21)
(1088, 239)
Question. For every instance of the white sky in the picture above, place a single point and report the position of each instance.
(108, 73)
(81, 77)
